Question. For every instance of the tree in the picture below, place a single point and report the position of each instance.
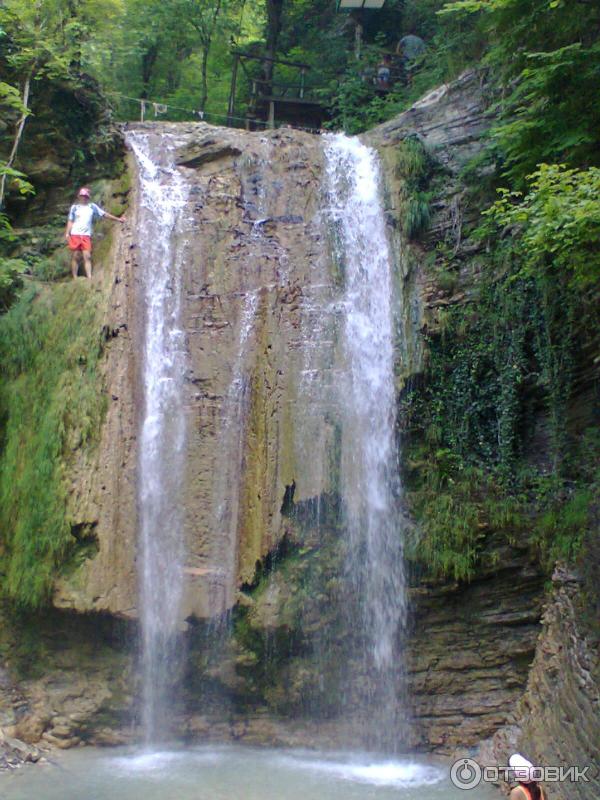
(274, 25)
(11, 99)
(205, 17)
(40, 39)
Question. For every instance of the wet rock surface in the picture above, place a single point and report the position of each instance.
(14, 752)
(66, 681)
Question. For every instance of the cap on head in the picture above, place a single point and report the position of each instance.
(523, 768)
(84, 192)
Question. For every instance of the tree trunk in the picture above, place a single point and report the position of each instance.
(204, 79)
(18, 135)
(206, 37)
(75, 64)
(148, 62)
(274, 21)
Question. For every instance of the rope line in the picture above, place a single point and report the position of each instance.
(162, 108)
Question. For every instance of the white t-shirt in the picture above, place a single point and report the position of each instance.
(83, 215)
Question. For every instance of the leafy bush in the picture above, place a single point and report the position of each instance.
(545, 55)
(11, 280)
(53, 267)
(556, 224)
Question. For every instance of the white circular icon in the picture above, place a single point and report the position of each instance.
(465, 773)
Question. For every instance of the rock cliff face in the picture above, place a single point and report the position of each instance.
(560, 711)
(470, 653)
(102, 496)
(556, 719)
(254, 277)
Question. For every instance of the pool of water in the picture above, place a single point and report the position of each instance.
(231, 773)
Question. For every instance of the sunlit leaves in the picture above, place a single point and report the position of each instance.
(557, 222)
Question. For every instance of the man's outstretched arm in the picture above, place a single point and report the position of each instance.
(112, 216)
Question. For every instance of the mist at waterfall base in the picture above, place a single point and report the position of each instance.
(231, 773)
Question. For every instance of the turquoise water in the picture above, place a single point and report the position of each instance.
(231, 773)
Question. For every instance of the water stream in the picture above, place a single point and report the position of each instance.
(161, 242)
(370, 485)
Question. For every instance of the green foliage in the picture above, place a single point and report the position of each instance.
(412, 161)
(557, 223)
(449, 518)
(10, 98)
(11, 280)
(23, 187)
(561, 528)
(53, 267)
(50, 405)
(546, 57)
(355, 105)
(548, 116)
(413, 168)
(415, 214)
(467, 514)
(519, 333)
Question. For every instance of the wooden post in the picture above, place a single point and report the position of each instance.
(302, 74)
(231, 106)
(271, 123)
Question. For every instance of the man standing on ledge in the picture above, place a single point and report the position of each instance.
(78, 233)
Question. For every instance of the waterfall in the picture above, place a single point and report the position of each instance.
(369, 479)
(163, 195)
(346, 384)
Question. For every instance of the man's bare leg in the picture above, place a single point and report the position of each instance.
(87, 263)
(74, 264)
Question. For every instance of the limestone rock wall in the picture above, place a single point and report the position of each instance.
(559, 715)
(557, 721)
(470, 652)
(102, 481)
(257, 276)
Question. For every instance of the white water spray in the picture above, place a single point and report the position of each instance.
(370, 484)
(163, 195)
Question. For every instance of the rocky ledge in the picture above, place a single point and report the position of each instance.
(14, 753)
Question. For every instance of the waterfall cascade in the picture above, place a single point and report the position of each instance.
(343, 349)
(163, 195)
(369, 481)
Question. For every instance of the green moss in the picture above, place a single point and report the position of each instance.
(53, 267)
(560, 530)
(50, 405)
(290, 623)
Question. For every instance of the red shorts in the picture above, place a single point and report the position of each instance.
(80, 243)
